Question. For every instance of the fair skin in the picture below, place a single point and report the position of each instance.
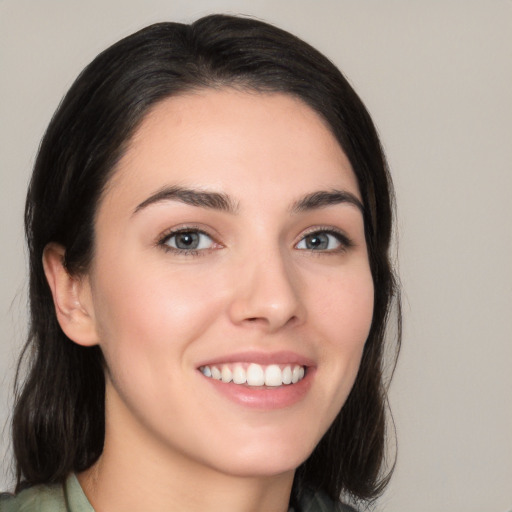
(213, 251)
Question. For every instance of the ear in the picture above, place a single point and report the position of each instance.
(71, 296)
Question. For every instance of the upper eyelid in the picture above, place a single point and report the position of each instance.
(162, 242)
(166, 234)
(344, 237)
(172, 233)
(326, 229)
(345, 242)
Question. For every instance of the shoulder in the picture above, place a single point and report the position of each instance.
(320, 502)
(66, 497)
(40, 498)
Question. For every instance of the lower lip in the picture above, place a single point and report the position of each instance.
(264, 398)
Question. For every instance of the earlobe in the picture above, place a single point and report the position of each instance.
(71, 298)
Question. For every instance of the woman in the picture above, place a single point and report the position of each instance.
(208, 224)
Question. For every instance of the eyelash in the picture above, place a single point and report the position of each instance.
(165, 237)
(344, 241)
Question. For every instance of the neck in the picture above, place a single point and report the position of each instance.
(135, 473)
(112, 490)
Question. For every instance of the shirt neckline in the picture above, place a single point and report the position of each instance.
(76, 500)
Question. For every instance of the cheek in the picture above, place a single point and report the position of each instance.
(152, 313)
(344, 307)
(344, 314)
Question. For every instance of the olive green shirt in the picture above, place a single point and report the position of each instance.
(48, 498)
(71, 498)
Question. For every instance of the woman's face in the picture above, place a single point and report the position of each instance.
(230, 244)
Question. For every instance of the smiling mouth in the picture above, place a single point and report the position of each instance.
(255, 375)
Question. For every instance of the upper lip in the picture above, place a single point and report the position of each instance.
(263, 358)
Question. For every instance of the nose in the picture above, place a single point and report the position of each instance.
(267, 293)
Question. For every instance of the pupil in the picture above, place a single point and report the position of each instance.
(187, 240)
(317, 242)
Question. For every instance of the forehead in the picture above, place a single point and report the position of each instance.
(231, 140)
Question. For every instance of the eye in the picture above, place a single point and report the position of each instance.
(324, 240)
(188, 240)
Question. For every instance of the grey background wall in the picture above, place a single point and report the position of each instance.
(437, 76)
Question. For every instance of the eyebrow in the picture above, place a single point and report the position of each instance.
(325, 198)
(223, 202)
(201, 198)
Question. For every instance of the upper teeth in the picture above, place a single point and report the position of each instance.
(255, 374)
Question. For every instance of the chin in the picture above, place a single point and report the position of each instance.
(266, 459)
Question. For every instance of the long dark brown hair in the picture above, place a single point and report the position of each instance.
(58, 421)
